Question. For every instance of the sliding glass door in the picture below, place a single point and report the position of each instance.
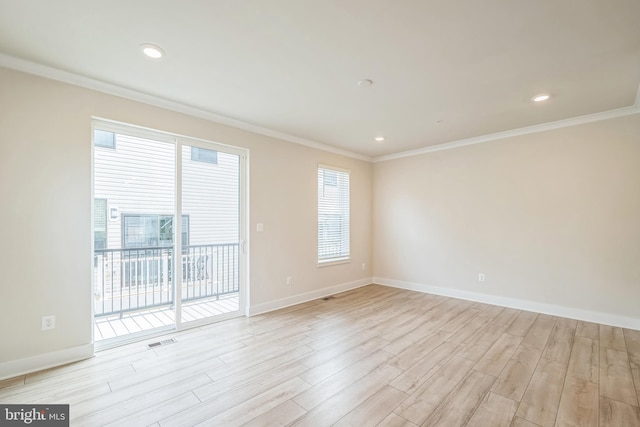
(167, 231)
(211, 251)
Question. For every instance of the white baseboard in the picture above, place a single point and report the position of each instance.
(308, 296)
(14, 368)
(520, 304)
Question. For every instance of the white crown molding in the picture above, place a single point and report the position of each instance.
(29, 67)
(589, 118)
(611, 319)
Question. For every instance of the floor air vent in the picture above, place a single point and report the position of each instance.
(163, 342)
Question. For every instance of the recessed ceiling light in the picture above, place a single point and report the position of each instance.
(379, 138)
(365, 83)
(152, 51)
(541, 97)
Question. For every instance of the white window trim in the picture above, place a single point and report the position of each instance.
(342, 259)
(334, 261)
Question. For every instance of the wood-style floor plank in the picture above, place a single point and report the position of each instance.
(322, 391)
(422, 370)
(318, 373)
(251, 382)
(393, 420)
(281, 415)
(495, 411)
(426, 398)
(458, 407)
(495, 359)
(616, 382)
(520, 422)
(340, 404)
(12, 382)
(578, 404)
(373, 356)
(373, 410)
(539, 332)
(542, 397)
(560, 342)
(477, 324)
(154, 413)
(522, 323)
(632, 339)
(611, 337)
(618, 414)
(588, 330)
(515, 377)
(477, 347)
(115, 406)
(585, 360)
(408, 357)
(254, 407)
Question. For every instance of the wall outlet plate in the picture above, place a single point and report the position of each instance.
(48, 322)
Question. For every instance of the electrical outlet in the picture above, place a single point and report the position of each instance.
(481, 277)
(289, 280)
(364, 265)
(48, 322)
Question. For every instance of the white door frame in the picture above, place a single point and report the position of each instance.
(178, 142)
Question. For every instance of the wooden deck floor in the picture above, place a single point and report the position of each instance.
(107, 327)
(374, 356)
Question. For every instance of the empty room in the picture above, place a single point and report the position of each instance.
(318, 213)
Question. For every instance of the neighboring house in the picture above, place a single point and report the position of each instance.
(134, 194)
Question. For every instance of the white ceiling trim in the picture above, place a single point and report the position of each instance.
(29, 67)
(589, 118)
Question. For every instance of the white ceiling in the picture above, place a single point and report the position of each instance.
(293, 65)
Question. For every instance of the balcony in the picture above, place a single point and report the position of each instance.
(134, 288)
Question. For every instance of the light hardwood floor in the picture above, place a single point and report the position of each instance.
(374, 356)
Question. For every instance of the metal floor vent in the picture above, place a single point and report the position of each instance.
(163, 342)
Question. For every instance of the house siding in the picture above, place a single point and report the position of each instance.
(137, 177)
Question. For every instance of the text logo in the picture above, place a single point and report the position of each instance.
(34, 415)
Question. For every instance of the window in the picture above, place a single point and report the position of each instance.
(148, 231)
(100, 223)
(204, 155)
(104, 139)
(333, 215)
(166, 230)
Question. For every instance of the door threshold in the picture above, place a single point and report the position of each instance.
(108, 343)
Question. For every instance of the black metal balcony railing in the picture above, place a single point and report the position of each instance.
(134, 279)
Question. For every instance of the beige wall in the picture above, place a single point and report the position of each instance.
(45, 188)
(550, 218)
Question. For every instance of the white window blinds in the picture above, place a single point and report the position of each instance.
(333, 214)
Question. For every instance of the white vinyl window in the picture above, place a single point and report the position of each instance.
(333, 215)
